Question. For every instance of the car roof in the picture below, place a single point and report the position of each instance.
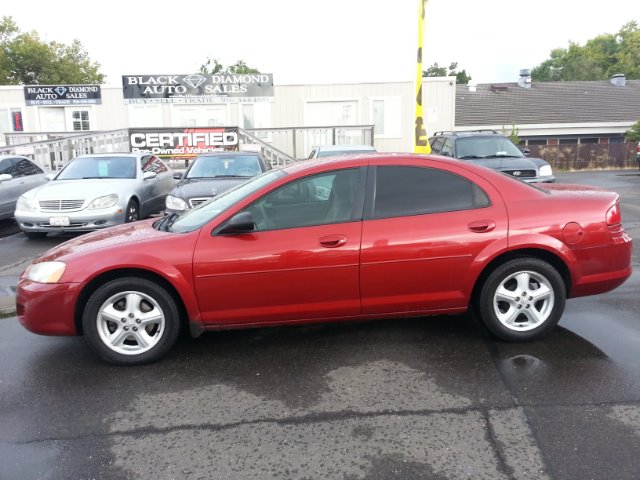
(115, 154)
(229, 152)
(472, 133)
(345, 148)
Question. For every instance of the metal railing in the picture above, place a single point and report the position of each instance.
(297, 142)
(55, 152)
(279, 146)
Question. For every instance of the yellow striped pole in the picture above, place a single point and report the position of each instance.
(420, 143)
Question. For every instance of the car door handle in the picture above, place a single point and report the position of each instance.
(482, 226)
(333, 241)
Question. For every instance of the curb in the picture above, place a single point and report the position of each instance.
(7, 306)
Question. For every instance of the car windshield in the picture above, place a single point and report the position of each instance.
(333, 153)
(99, 167)
(486, 147)
(196, 217)
(215, 166)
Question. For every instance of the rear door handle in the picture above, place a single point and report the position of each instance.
(333, 241)
(482, 226)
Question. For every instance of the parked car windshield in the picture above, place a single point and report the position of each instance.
(215, 166)
(486, 146)
(99, 167)
(196, 217)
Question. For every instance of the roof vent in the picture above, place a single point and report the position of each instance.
(618, 80)
(499, 87)
(525, 78)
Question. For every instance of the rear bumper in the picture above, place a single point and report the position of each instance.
(47, 309)
(603, 268)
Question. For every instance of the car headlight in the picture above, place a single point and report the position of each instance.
(104, 202)
(175, 203)
(45, 272)
(545, 171)
(26, 204)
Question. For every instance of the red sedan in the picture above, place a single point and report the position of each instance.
(329, 240)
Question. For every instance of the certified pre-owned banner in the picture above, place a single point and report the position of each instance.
(196, 88)
(183, 142)
(62, 94)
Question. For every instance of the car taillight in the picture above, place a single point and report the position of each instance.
(613, 215)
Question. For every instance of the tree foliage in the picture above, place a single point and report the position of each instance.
(437, 71)
(27, 60)
(633, 134)
(599, 59)
(213, 67)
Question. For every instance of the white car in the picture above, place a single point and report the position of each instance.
(17, 176)
(96, 191)
(333, 150)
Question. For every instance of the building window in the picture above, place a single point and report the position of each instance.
(378, 116)
(247, 115)
(588, 140)
(568, 141)
(537, 141)
(80, 120)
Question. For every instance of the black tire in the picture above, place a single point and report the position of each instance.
(132, 213)
(124, 314)
(35, 234)
(514, 317)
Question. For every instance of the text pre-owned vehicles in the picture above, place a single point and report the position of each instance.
(17, 176)
(397, 236)
(96, 191)
(334, 150)
(490, 149)
(212, 174)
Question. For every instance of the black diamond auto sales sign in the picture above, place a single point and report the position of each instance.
(197, 88)
(62, 94)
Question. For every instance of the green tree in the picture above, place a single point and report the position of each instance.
(513, 134)
(27, 60)
(598, 59)
(437, 71)
(633, 134)
(213, 67)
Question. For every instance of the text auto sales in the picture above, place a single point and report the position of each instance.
(179, 143)
(222, 84)
(48, 93)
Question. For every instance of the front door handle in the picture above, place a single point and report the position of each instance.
(333, 241)
(482, 226)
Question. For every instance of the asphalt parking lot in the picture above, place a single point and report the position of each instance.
(427, 398)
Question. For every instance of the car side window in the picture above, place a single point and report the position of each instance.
(447, 148)
(153, 164)
(315, 200)
(24, 167)
(405, 191)
(6, 166)
(436, 146)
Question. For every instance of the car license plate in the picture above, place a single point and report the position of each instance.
(59, 221)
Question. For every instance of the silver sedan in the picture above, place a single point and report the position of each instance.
(96, 191)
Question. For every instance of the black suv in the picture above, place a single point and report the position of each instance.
(492, 150)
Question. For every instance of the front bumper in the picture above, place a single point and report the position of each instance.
(79, 221)
(47, 308)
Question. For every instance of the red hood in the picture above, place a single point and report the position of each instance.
(136, 232)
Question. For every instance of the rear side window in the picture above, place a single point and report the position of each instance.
(153, 164)
(24, 168)
(436, 145)
(404, 191)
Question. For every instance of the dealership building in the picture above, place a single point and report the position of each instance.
(335, 113)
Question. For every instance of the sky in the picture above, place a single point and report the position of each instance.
(326, 41)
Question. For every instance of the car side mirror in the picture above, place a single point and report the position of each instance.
(240, 223)
(177, 176)
(50, 176)
(5, 176)
(526, 151)
(149, 175)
